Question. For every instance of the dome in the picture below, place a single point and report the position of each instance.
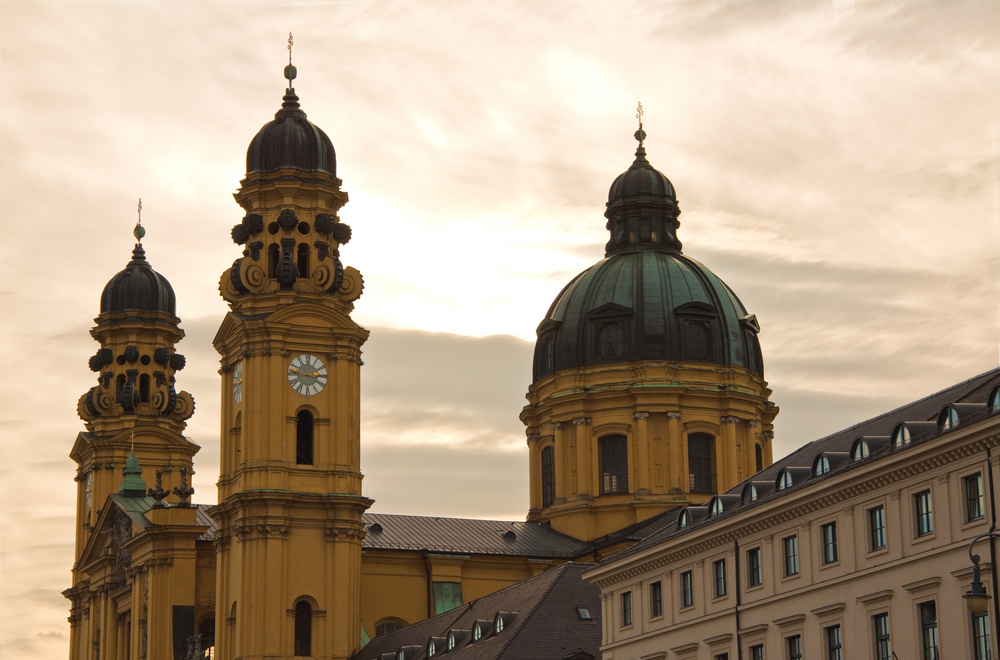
(645, 300)
(291, 140)
(138, 288)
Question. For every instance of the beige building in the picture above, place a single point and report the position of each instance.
(856, 546)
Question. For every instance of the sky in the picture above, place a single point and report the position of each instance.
(836, 164)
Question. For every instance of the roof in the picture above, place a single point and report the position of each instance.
(468, 536)
(546, 625)
(138, 507)
(973, 390)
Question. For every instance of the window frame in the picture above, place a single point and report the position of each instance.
(834, 652)
(930, 639)
(883, 536)
(755, 568)
(923, 509)
(719, 586)
(687, 589)
(829, 553)
(548, 475)
(613, 449)
(980, 500)
(793, 647)
(790, 561)
(655, 599)
(625, 610)
(756, 652)
(880, 636)
(981, 622)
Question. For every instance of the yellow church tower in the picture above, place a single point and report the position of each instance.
(290, 504)
(648, 391)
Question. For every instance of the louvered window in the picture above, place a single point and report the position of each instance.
(610, 342)
(614, 464)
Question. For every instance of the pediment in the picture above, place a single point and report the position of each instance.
(114, 527)
(696, 309)
(312, 314)
(610, 310)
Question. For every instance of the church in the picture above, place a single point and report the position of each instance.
(647, 396)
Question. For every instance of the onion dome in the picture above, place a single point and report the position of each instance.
(645, 300)
(138, 287)
(132, 485)
(291, 140)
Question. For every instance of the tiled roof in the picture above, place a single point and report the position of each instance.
(467, 536)
(546, 626)
(974, 390)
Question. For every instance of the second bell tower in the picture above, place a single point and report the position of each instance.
(290, 502)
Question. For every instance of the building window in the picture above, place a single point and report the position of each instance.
(614, 464)
(790, 545)
(754, 577)
(794, 647)
(273, 258)
(304, 438)
(548, 476)
(721, 656)
(981, 636)
(655, 600)
(834, 644)
(697, 340)
(757, 652)
(876, 526)
(759, 457)
(719, 574)
(626, 609)
(610, 342)
(925, 512)
(883, 649)
(974, 501)
(386, 627)
(447, 596)
(303, 628)
(829, 532)
(929, 630)
(701, 463)
(821, 467)
(687, 589)
(303, 259)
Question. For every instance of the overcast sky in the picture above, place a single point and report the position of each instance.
(834, 162)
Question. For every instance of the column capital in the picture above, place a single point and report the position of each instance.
(752, 423)
(674, 414)
(533, 437)
(557, 426)
(730, 419)
(768, 435)
(640, 415)
(581, 421)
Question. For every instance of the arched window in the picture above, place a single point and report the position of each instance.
(548, 476)
(701, 463)
(749, 494)
(304, 438)
(303, 628)
(303, 259)
(273, 259)
(759, 456)
(614, 464)
(821, 466)
(387, 626)
(785, 480)
(684, 520)
(207, 632)
(144, 388)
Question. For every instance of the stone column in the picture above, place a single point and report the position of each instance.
(584, 449)
(561, 458)
(534, 475)
(729, 454)
(642, 456)
(676, 470)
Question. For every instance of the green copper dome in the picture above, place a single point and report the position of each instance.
(645, 300)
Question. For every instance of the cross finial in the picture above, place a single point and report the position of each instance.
(640, 134)
(290, 70)
(139, 230)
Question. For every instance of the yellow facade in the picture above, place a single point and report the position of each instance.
(656, 406)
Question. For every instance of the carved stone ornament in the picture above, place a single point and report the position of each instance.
(557, 426)
(344, 534)
(730, 419)
(324, 223)
(673, 415)
(581, 421)
(640, 415)
(287, 219)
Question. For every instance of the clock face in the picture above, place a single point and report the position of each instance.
(238, 382)
(307, 374)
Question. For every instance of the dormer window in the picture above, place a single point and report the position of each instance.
(784, 480)
(901, 436)
(715, 508)
(583, 613)
(481, 629)
(822, 466)
(860, 450)
(501, 620)
(749, 494)
(684, 520)
(436, 645)
(610, 342)
(994, 401)
(948, 419)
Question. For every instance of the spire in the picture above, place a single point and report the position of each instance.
(640, 135)
(290, 101)
(132, 485)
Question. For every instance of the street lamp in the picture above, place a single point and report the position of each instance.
(977, 599)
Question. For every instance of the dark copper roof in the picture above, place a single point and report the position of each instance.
(138, 288)
(646, 305)
(291, 140)
(546, 625)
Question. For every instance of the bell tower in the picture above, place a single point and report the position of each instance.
(290, 501)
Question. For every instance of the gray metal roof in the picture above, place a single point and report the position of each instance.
(467, 536)
(546, 625)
